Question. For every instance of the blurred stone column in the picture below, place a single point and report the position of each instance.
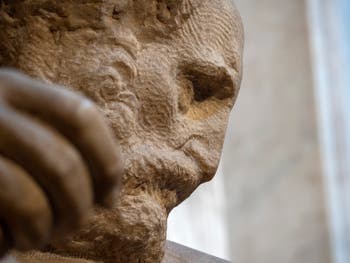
(329, 24)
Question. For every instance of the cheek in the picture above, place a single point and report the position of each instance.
(34, 54)
(157, 111)
(157, 92)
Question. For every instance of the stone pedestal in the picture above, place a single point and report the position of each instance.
(174, 253)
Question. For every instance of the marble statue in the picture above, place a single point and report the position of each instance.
(99, 95)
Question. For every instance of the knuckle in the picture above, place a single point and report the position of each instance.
(73, 175)
(86, 113)
(70, 164)
(76, 189)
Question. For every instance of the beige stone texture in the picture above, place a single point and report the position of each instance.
(164, 73)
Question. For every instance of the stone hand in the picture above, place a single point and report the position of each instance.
(57, 156)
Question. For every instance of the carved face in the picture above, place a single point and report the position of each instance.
(165, 73)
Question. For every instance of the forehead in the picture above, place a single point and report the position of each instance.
(213, 31)
(218, 21)
(215, 16)
(197, 28)
(199, 24)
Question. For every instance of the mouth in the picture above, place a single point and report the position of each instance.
(168, 170)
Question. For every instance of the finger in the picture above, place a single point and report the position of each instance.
(54, 164)
(78, 119)
(24, 208)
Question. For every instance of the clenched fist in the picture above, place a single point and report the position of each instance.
(57, 156)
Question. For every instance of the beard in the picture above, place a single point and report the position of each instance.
(134, 229)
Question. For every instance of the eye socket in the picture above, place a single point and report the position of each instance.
(204, 90)
(206, 87)
(210, 82)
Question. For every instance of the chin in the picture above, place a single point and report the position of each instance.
(133, 231)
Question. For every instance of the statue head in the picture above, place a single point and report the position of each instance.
(165, 73)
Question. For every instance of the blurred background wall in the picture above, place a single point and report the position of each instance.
(271, 163)
(271, 199)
